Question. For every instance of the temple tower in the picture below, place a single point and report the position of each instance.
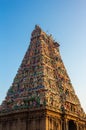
(42, 96)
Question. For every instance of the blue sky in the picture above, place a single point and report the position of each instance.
(64, 19)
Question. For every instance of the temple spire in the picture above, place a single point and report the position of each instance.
(42, 80)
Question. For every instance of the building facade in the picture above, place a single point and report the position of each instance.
(41, 96)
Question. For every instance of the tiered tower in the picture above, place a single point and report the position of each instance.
(41, 96)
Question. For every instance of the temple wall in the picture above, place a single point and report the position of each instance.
(39, 120)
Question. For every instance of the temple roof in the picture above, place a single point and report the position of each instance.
(42, 80)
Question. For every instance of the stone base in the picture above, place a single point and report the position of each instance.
(40, 119)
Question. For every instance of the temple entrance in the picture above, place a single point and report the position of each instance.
(72, 125)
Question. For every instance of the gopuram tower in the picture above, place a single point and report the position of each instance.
(41, 96)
